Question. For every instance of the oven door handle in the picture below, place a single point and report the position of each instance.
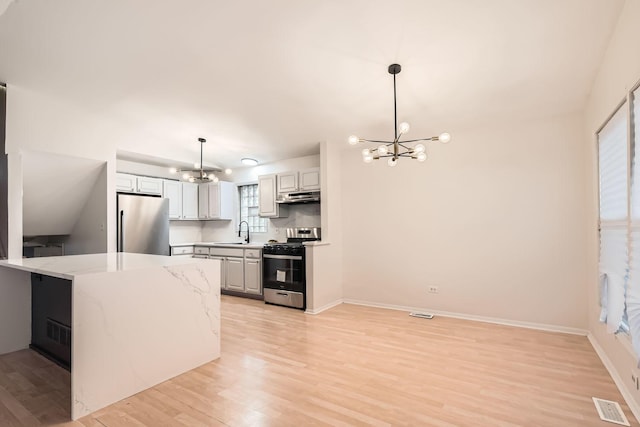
(291, 257)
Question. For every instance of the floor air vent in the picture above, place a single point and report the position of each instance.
(610, 411)
(58, 332)
(422, 315)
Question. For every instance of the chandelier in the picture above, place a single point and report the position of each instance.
(199, 174)
(395, 149)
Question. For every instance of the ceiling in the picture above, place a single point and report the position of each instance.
(271, 79)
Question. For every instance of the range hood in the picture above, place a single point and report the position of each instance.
(299, 197)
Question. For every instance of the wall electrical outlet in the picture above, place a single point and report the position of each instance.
(434, 290)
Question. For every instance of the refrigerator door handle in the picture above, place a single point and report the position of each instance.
(121, 248)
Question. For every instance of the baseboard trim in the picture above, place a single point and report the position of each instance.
(498, 321)
(626, 393)
(324, 307)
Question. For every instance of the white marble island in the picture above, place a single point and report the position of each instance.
(137, 320)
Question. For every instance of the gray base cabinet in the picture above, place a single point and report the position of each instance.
(234, 269)
(241, 269)
(253, 276)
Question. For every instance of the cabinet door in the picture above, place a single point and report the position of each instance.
(287, 182)
(148, 185)
(252, 276)
(173, 191)
(189, 200)
(214, 201)
(125, 182)
(310, 179)
(235, 274)
(223, 281)
(203, 201)
(228, 194)
(267, 191)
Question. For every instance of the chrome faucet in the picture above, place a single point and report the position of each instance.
(240, 231)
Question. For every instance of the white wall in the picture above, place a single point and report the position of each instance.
(619, 71)
(39, 123)
(325, 278)
(494, 219)
(89, 233)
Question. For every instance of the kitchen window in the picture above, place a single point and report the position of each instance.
(249, 197)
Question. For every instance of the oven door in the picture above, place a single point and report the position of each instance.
(284, 272)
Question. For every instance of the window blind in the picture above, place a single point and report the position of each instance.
(633, 287)
(614, 232)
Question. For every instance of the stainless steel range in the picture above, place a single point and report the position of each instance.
(283, 269)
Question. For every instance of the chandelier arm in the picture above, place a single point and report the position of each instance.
(433, 138)
(377, 142)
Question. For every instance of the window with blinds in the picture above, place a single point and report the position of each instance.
(249, 197)
(614, 219)
(632, 298)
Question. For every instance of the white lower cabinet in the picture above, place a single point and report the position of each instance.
(235, 274)
(252, 276)
(223, 275)
(241, 269)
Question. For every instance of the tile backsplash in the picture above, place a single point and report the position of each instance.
(303, 215)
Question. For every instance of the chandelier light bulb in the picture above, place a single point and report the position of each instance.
(444, 138)
(196, 165)
(404, 127)
(215, 179)
(186, 176)
(192, 179)
(204, 174)
(392, 162)
(228, 171)
(419, 148)
(368, 158)
(382, 150)
(353, 140)
(366, 152)
(421, 157)
(173, 170)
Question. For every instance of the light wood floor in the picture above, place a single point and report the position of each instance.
(348, 366)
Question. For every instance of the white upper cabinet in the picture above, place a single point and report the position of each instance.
(267, 206)
(303, 180)
(138, 184)
(146, 185)
(126, 182)
(189, 200)
(287, 182)
(173, 191)
(215, 200)
(309, 179)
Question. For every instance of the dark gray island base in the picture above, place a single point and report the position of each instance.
(51, 318)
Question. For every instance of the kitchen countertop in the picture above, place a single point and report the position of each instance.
(70, 266)
(222, 245)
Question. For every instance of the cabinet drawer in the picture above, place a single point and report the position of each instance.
(253, 253)
(230, 252)
(201, 250)
(182, 250)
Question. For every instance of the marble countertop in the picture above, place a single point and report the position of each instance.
(222, 245)
(70, 266)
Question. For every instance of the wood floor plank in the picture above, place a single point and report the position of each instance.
(349, 366)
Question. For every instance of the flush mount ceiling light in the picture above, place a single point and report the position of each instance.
(249, 162)
(395, 149)
(199, 174)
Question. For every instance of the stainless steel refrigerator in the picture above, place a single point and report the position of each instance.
(143, 224)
